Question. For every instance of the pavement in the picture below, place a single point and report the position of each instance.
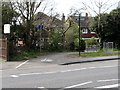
(62, 58)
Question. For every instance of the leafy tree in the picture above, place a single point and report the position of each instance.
(109, 27)
(9, 17)
(55, 41)
(72, 34)
(27, 10)
(7, 13)
(99, 8)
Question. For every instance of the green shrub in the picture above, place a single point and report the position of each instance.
(55, 42)
(82, 44)
(25, 55)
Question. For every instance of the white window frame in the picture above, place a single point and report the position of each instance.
(85, 31)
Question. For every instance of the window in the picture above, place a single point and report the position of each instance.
(92, 32)
(85, 31)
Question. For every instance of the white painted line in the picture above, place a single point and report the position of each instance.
(59, 71)
(79, 84)
(29, 74)
(43, 60)
(108, 66)
(46, 60)
(109, 86)
(73, 70)
(101, 67)
(22, 64)
(50, 72)
(92, 67)
(108, 80)
(14, 76)
(41, 87)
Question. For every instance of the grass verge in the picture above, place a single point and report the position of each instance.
(95, 54)
(25, 55)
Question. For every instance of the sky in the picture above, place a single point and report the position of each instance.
(64, 6)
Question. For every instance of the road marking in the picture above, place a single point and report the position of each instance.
(108, 80)
(41, 87)
(62, 71)
(73, 70)
(14, 76)
(50, 72)
(109, 86)
(22, 64)
(46, 60)
(108, 66)
(92, 67)
(36, 73)
(79, 84)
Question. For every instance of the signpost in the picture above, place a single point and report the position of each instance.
(40, 27)
(7, 31)
(79, 33)
(6, 28)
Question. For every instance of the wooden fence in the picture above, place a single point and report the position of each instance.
(3, 49)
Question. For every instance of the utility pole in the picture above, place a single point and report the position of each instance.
(79, 33)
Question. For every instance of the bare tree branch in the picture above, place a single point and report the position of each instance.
(109, 7)
(90, 8)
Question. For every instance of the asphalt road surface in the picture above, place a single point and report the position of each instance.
(103, 74)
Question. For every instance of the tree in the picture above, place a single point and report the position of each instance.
(72, 33)
(109, 27)
(55, 41)
(102, 7)
(8, 14)
(27, 10)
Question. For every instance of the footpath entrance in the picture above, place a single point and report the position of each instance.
(3, 49)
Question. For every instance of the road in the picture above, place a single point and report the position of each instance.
(103, 74)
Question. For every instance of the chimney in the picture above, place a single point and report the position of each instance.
(86, 14)
(63, 18)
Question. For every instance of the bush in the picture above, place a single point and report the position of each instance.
(55, 42)
(82, 44)
(24, 55)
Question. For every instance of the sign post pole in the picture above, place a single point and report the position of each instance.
(7, 31)
(40, 27)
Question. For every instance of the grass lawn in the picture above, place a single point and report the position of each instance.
(96, 54)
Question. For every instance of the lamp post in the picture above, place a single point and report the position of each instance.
(79, 33)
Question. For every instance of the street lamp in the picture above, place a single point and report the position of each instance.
(79, 33)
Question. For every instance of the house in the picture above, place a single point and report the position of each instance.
(87, 34)
(50, 23)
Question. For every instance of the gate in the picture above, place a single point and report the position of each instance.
(3, 49)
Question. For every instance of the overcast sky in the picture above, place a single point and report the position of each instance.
(64, 6)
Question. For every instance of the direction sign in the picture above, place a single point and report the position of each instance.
(40, 27)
